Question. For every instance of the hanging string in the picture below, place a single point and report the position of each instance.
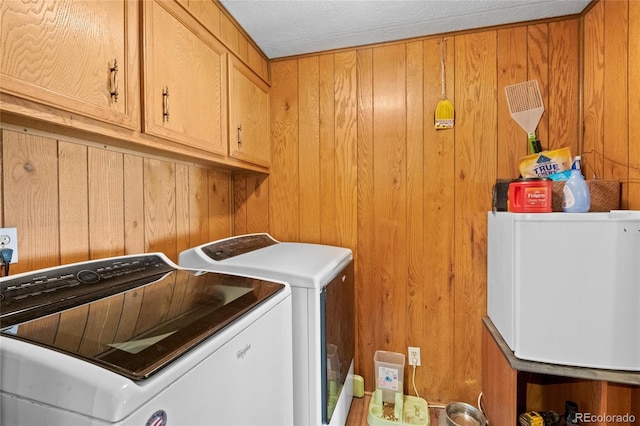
(443, 53)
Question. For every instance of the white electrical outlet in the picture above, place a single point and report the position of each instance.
(9, 239)
(414, 356)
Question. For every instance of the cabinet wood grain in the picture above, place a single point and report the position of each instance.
(248, 115)
(184, 79)
(65, 54)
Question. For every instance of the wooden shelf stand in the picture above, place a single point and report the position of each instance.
(512, 386)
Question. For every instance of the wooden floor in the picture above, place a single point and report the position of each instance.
(360, 407)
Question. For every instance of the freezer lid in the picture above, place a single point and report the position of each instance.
(144, 322)
(611, 216)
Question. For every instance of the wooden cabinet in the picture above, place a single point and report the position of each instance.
(248, 115)
(77, 56)
(511, 386)
(184, 79)
(151, 76)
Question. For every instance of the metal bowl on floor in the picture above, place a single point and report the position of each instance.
(461, 414)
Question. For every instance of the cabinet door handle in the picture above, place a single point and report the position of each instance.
(114, 80)
(240, 135)
(165, 104)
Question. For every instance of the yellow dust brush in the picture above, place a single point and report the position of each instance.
(444, 116)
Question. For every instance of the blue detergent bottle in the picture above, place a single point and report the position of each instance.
(576, 195)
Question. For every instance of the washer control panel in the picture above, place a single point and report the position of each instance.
(33, 295)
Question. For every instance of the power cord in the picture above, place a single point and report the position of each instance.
(439, 406)
(413, 379)
(6, 254)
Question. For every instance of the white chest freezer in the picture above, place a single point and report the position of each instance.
(564, 288)
(136, 340)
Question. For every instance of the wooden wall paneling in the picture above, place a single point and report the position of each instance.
(616, 88)
(183, 196)
(309, 149)
(389, 323)
(327, 98)
(563, 85)
(439, 220)
(197, 195)
(365, 259)
(537, 47)
(593, 87)
(258, 203)
(220, 203)
(346, 153)
(240, 195)
(417, 322)
(30, 198)
(284, 185)
(634, 111)
(250, 203)
(106, 203)
(511, 69)
(134, 229)
(160, 207)
(74, 202)
(475, 165)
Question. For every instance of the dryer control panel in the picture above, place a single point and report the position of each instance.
(225, 249)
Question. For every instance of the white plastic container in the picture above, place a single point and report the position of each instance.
(389, 374)
(576, 195)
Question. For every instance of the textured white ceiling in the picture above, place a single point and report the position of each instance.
(292, 27)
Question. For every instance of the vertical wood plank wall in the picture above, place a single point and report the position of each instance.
(611, 102)
(418, 197)
(357, 162)
(421, 195)
(72, 202)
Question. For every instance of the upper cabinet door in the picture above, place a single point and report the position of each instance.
(76, 56)
(248, 115)
(184, 79)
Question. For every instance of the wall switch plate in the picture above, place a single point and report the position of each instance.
(414, 356)
(9, 239)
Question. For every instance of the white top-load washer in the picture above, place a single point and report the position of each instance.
(136, 340)
(322, 288)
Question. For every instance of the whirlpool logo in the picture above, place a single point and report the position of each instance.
(242, 352)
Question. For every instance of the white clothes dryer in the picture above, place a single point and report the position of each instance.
(322, 288)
